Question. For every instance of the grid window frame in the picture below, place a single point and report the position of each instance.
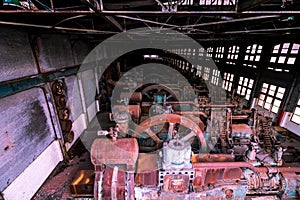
(215, 77)
(209, 52)
(206, 73)
(233, 54)
(252, 55)
(227, 82)
(270, 97)
(296, 114)
(245, 87)
(283, 56)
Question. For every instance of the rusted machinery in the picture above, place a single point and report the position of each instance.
(157, 151)
(174, 171)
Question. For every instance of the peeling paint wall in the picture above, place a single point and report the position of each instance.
(16, 56)
(26, 131)
(54, 52)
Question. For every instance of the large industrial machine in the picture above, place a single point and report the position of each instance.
(161, 147)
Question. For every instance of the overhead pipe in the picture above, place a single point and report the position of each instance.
(232, 21)
(292, 169)
(147, 21)
(204, 105)
(116, 12)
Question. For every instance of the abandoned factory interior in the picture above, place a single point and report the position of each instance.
(149, 99)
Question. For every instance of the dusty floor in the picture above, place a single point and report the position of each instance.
(57, 185)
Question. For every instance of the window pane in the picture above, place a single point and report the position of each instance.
(269, 99)
(265, 85)
(264, 90)
(260, 103)
(241, 81)
(239, 89)
(281, 59)
(277, 103)
(279, 95)
(277, 46)
(247, 97)
(273, 87)
(262, 97)
(297, 111)
(284, 50)
(243, 91)
(281, 90)
(257, 58)
(291, 61)
(275, 109)
(295, 49)
(286, 45)
(296, 119)
(267, 106)
(273, 59)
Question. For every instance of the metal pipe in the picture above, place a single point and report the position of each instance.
(231, 21)
(101, 6)
(239, 117)
(203, 106)
(190, 113)
(243, 164)
(69, 18)
(161, 4)
(57, 28)
(147, 21)
(77, 12)
(52, 5)
(262, 30)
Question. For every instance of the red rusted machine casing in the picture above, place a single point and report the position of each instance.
(123, 151)
(107, 184)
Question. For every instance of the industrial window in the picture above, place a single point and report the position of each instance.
(209, 51)
(245, 86)
(270, 97)
(192, 68)
(187, 66)
(201, 52)
(215, 77)
(283, 54)
(206, 73)
(199, 69)
(296, 116)
(233, 53)
(217, 2)
(189, 53)
(227, 81)
(219, 52)
(252, 55)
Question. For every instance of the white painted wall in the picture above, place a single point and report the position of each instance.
(29, 181)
